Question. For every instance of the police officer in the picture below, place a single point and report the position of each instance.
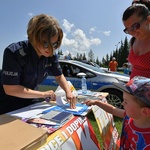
(27, 63)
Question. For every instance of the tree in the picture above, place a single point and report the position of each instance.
(97, 61)
(84, 56)
(78, 56)
(68, 56)
(120, 53)
(126, 49)
(60, 52)
(91, 56)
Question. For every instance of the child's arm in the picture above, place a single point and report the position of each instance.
(107, 107)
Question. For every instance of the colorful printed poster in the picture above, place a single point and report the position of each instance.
(77, 134)
(108, 131)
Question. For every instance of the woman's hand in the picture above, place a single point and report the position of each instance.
(71, 99)
(49, 95)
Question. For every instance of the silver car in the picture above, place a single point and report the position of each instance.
(97, 80)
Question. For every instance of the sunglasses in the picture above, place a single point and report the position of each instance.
(135, 26)
(54, 45)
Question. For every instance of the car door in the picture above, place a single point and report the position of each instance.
(74, 69)
(71, 75)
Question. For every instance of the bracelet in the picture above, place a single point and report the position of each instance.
(47, 99)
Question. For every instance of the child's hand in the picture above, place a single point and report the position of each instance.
(89, 102)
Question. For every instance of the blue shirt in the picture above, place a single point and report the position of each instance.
(126, 71)
(22, 66)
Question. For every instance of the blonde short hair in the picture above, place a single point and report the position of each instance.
(42, 28)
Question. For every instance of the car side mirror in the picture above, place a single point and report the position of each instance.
(81, 74)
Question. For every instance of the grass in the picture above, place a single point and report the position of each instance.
(118, 123)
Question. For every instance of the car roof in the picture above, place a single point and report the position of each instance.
(95, 69)
(84, 65)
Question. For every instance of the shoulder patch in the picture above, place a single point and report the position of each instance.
(21, 52)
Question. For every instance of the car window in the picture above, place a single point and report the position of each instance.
(75, 69)
(90, 66)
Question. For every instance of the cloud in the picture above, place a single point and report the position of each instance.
(76, 41)
(95, 41)
(30, 14)
(81, 38)
(25, 35)
(107, 33)
(67, 25)
(69, 42)
(93, 29)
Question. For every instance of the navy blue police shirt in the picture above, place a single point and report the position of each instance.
(22, 66)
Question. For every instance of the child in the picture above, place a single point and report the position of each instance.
(136, 113)
(125, 68)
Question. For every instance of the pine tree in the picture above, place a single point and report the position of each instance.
(91, 56)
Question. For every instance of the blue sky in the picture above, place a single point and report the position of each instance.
(87, 24)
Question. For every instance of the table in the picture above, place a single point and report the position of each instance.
(76, 134)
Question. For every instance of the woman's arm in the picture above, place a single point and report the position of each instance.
(61, 80)
(23, 92)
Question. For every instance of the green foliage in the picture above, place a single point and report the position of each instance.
(60, 52)
(91, 56)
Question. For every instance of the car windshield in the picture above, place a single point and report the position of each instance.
(89, 66)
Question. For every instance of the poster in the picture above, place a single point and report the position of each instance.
(77, 134)
(108, 131)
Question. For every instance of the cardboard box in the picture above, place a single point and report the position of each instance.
(18, 135)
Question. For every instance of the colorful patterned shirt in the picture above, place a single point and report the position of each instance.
(134, 138)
